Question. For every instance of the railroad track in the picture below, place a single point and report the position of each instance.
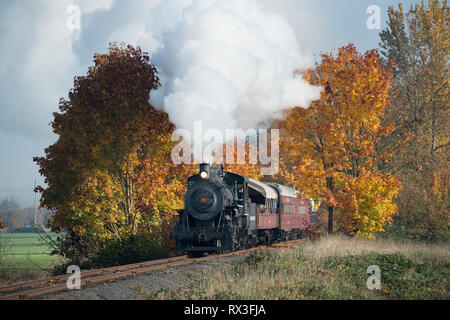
(34, 288)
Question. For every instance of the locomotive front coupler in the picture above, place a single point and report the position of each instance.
(201, 237)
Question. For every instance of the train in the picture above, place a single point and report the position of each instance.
(226, 212)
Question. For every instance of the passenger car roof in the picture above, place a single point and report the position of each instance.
(268, 191)
(284, 190)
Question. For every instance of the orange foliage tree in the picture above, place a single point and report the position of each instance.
(109, 176)
(329, 150)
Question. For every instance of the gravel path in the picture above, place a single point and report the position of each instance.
(142, 287)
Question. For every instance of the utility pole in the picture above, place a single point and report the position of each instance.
(35, 203)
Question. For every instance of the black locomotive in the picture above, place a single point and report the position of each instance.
(227, 212)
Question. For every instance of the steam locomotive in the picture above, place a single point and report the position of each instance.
(227, 212)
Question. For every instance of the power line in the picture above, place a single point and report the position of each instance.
(16, 189)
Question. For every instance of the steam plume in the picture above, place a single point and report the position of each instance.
(228, 64)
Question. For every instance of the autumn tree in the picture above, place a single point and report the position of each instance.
(416, 47)
(328, 150)
(109, 176)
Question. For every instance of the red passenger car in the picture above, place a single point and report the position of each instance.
(283, 215)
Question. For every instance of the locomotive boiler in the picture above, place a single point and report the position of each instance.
(227, 212)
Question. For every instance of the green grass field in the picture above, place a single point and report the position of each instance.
(25, 251)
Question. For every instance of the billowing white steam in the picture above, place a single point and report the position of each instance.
(229, 64)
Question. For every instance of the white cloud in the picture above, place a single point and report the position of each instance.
(88, 6)
(38, 62)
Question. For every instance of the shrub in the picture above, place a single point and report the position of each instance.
(139, 248)
(399, 232)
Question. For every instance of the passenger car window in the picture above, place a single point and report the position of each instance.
(289, 208)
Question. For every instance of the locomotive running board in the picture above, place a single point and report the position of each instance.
(199, 249)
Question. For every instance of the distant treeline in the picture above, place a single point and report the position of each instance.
(18, 219)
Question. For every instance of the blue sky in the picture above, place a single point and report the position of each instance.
(40, 56)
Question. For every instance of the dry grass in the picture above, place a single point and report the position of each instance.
(339, 246)
(331, 268)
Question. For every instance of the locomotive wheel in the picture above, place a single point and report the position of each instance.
(268, 239)
(240, 240)
(254, 241)
(235, 240)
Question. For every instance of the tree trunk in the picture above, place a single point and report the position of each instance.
(330, 220)
(330, 208)
(433, 132)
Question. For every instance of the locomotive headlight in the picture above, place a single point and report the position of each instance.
(204, 174)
